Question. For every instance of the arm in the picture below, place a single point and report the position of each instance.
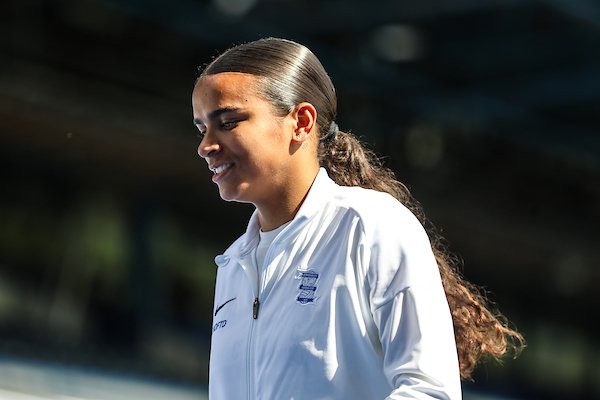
(410, 310)
(419, 353)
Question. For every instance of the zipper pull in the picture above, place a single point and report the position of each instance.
(255, 308)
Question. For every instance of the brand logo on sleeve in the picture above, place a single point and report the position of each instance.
(308, 286)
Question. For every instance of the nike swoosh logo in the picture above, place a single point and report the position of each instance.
(223, 305)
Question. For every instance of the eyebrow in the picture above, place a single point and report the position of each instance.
(217, 113)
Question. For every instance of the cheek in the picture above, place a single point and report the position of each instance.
(262, 146)
(269, 151)
(272, 158)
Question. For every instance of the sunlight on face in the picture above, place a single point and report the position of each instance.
(244, 142)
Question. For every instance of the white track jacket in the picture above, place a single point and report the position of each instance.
(348, 305)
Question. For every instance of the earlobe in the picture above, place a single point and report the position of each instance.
(305, 116)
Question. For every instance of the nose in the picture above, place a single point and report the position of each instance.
(208, 146)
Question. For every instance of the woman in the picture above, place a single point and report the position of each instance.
(335, 290)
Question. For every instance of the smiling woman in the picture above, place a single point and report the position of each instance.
(244, 145)
(253, 152)
(335, 290)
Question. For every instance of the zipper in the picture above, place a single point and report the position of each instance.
(254, 275)
(250, 353)
(255, 308)
(249, 362)
(252, 272)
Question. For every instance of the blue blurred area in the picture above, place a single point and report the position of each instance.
(26, 380)
(488, 110)
(22, 379)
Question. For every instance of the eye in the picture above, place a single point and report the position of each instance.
(229, 125)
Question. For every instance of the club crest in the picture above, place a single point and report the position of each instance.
(308, 286)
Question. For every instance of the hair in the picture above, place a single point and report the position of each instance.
(289, 73)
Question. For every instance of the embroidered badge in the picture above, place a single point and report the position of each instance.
(308, 286)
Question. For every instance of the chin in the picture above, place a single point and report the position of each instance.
(226, 196)
(229, 194)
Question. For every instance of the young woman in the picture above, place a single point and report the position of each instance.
(335, 291)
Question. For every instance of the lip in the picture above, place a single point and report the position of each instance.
(218, 176)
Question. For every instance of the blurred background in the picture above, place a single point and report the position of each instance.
(488, 110)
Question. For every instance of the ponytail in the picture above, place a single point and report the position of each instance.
(478, 331)
(349, 163)
(290, 74)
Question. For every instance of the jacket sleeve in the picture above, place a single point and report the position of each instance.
(410, 310)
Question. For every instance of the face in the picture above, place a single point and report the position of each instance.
(245, 143)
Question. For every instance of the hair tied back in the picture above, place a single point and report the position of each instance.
(331, 132)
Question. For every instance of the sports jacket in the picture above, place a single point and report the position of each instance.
(349, 305)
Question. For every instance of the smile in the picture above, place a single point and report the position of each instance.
(221, 168)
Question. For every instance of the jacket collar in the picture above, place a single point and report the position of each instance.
(320, 191)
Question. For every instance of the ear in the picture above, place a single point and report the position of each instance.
(305, 119)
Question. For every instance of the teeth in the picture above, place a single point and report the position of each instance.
(221, 168)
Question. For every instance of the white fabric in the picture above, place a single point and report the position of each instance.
(354, 309)
(265, 240)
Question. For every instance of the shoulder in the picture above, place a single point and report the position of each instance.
(395, 250)
(377, 211)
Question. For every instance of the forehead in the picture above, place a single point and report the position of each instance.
(225, 89)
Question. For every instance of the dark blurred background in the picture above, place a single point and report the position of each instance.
(488, 110)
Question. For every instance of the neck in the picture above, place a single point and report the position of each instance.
(284, 207)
